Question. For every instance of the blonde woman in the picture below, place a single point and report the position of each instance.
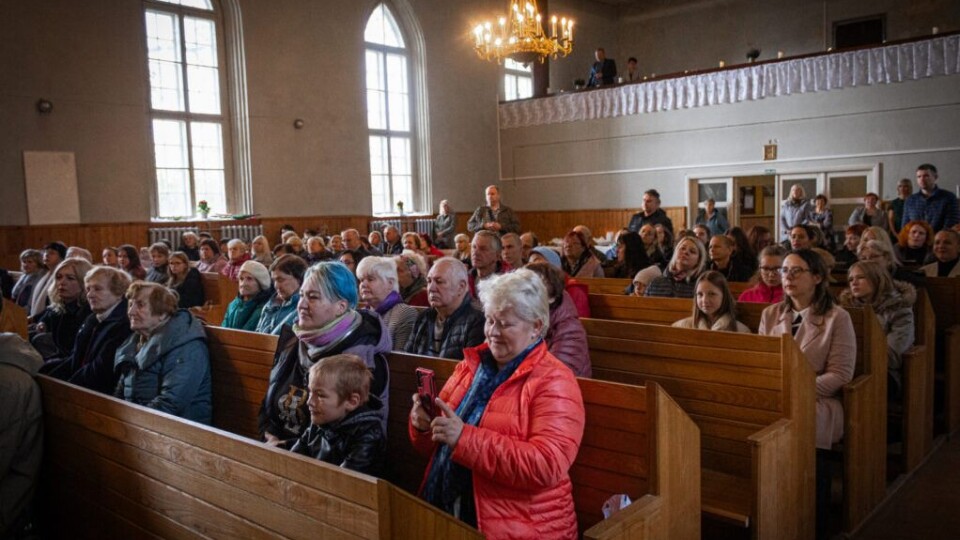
(260, 251)
(55, 329)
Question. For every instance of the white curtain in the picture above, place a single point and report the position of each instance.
(934, 57)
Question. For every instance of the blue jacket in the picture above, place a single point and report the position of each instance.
(170, 372)
(275, 315)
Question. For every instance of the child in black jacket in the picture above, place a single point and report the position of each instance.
(345, 420)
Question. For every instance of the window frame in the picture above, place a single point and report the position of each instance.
(412, 51)
(516, 74)
(216, 15)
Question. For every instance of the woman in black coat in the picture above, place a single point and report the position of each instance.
(185, 280)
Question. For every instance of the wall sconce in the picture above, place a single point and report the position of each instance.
(44, 106)
(298, 123)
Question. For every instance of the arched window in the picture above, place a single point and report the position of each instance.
(394, 157)
(187, 106)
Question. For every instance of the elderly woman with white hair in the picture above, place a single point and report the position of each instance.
(236, 255)
(55, 329)
(328, 324)
(882, 251)
(412, 278)
(507, 424)
(190, 245)
(381, 292)
(32, 270)
(679, 279)
(254, 291)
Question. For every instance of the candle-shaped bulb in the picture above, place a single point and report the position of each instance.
(570, 30)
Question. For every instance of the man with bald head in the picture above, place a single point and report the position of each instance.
(494, 217)
(452, 323)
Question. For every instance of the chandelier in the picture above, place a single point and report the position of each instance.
(519, 35)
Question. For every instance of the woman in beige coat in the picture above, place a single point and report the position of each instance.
(825, 334)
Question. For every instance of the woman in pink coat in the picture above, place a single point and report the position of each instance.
(825, 334)
(508, 423)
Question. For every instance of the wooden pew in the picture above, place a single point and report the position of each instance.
(219, 291)
(747, 395)
(865, 429)
(13, 318)
(945, 298)
(117, 470)
(917, 373)
(637, 440)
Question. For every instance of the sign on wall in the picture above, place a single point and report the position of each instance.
(51, 186)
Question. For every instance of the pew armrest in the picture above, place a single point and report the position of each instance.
(783, 480)
(864, 447)
(917, 419)
(951, 373)
(635, 521)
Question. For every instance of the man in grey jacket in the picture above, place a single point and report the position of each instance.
(21, 433)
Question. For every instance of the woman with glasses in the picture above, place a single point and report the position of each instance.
(769, 289)
(825, 335)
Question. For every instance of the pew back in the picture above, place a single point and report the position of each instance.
(636, 441)
(219, 292)
(117, 470)
(945, 298)
(748, 394)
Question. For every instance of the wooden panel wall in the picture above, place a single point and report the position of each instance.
(96, 236)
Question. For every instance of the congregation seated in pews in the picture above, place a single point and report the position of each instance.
(517, 334)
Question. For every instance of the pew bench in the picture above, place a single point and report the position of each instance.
(636, 441)
(945, 299)
(606, 285)
(219, 291)
(748, 394)
(117, 470)
(864, 398)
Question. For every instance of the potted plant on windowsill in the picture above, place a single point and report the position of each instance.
(203, 209)
(400, 208)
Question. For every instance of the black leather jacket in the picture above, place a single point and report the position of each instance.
(354, 442)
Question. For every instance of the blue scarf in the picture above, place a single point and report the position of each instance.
(448, 481)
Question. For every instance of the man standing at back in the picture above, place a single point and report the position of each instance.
(493, 217)
(651, 214)
(936, 206)
(452, 323)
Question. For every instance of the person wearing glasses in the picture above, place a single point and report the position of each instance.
(824, 333)
(769, 289)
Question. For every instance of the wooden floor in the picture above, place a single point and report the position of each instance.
(927, 506)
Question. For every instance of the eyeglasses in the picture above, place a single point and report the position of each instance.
(770, 269)
(793, 271)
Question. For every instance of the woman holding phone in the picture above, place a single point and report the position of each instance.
(509, 423)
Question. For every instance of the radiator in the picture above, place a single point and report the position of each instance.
(424, 226)
(173, 235)
(379, 224)
(243, 232)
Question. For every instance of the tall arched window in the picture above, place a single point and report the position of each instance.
(184, 56)
(390, 115)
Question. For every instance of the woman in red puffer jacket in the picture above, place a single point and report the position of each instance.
(509, 423)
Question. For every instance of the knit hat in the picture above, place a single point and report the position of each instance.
(549, 254)
(259, 273)
(648, 274)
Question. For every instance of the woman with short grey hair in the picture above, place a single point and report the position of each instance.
(31, 264)
(531, 397)
(381, 292)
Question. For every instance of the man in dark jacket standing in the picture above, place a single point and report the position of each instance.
(651, 214)
(604, 70)
(452, 323)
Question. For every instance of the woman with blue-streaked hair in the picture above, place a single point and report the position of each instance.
(328, 323)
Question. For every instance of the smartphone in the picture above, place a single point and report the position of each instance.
(427, 390)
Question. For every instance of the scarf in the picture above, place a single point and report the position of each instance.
(450, 483)
(328, 336)
(418, 284)
(391, 300)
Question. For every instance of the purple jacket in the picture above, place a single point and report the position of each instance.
(566, 338)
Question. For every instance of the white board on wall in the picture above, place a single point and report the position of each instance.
(52, 194)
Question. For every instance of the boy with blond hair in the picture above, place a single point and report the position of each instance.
(345, 419)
